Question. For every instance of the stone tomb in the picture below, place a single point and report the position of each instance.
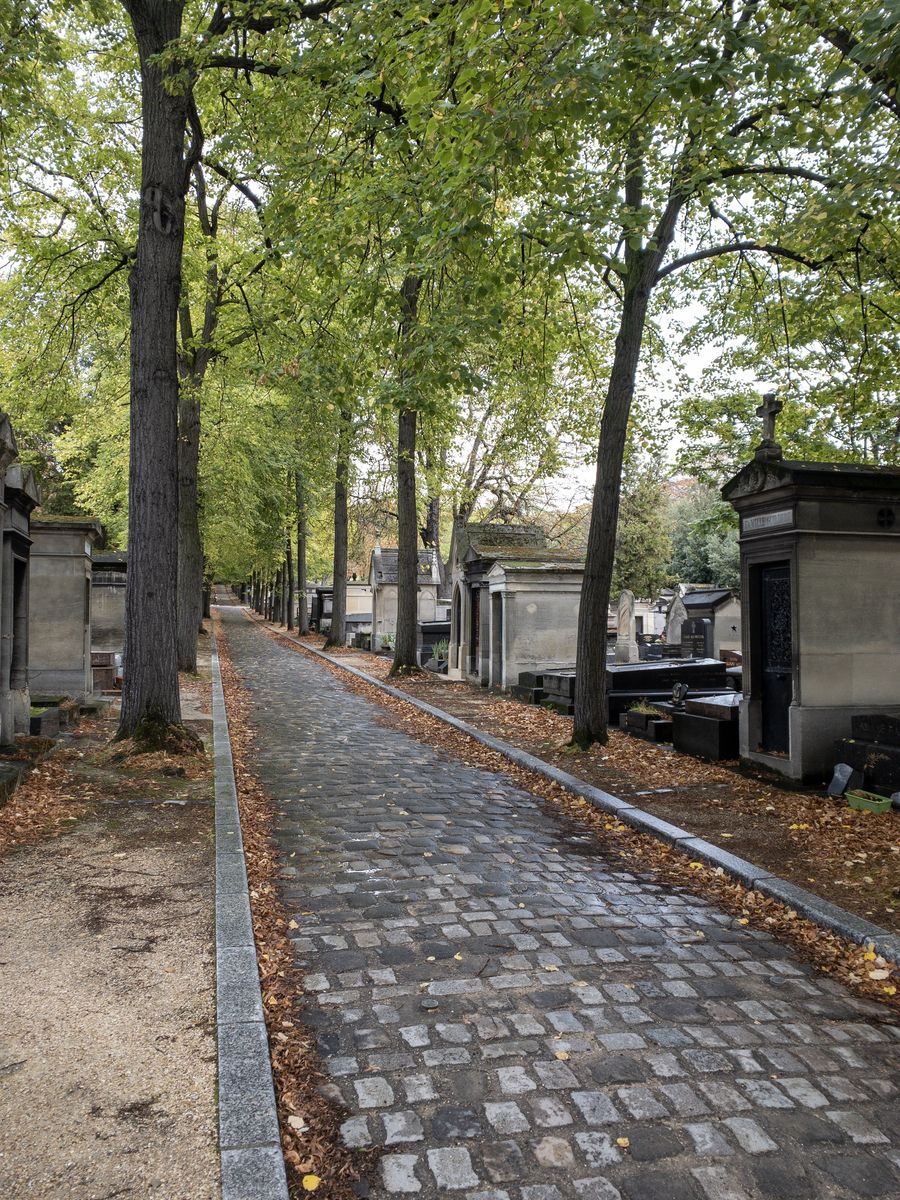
(820, 578)
(515, 604)
(59, 660)
(383, 584)
(357, 618)
(873, 749)
(19, 496)
(630, 683)
(108, 571)
(708, 727)
(722, 609)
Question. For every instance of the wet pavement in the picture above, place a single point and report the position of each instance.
(513, 1017)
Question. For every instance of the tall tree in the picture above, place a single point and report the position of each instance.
(150, 697)
(407, 523)
(337, 632)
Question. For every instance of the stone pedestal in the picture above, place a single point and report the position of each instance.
(627, 652)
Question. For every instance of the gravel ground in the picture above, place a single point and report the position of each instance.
(107, 1041)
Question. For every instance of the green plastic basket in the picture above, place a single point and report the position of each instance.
(868, 801)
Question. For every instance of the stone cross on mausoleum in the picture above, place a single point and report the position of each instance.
(768, 411)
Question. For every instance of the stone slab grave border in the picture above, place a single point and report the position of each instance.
(830, 916)
(249, 1137)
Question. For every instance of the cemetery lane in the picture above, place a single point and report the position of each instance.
(515, 1017)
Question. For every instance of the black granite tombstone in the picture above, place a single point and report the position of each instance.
(697, 638)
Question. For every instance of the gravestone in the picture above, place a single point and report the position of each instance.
(873, 748)
(675, 618)
(626, 637)
(697, 638)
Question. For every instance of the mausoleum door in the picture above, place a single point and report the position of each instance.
(775, 655)
(456, 630)
(475, 628)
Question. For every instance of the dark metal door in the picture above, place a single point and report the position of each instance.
(776, 655)
(475, 634)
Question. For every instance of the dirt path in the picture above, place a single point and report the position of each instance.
(107, 1036)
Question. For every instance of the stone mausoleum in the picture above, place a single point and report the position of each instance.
(59, 661)
(383, 582)
(20, 496)
(820, 581)
(514, 603)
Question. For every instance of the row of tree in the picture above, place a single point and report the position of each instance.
(441, 246)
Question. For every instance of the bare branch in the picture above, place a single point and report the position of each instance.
(742, 247)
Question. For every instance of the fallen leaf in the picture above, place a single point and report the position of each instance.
(562, 1055)
(311, 1182)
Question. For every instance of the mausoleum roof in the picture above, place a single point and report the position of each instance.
(707, 597)
(540, 559)
(763, 475)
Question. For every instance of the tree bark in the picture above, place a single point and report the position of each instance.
(590, 679)
(190, 547)
(642, 263)
(336, 636)
(289, 603)
(150, 698)
(407, 524)
(302, 606)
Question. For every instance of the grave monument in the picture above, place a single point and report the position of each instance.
(675, 618)
(626, 635)
(19, 496)
(59, 660)
(820, 577)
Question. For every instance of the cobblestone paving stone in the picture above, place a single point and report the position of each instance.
(499, 1005)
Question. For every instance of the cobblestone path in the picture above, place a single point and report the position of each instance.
(501, 1007)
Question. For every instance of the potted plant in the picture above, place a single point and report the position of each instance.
(639, 715)
(440, 653)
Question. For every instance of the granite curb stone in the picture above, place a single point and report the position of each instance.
(249, 1139)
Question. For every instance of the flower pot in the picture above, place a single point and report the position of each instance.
(868, 801)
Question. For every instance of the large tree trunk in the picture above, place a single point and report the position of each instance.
(289, 560)
(302, 606)
(339, 568)
(150, 699)
(590, 681)
(407, 524)
(190, 548)
(407, 541)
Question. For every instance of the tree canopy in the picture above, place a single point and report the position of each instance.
(456, 246)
